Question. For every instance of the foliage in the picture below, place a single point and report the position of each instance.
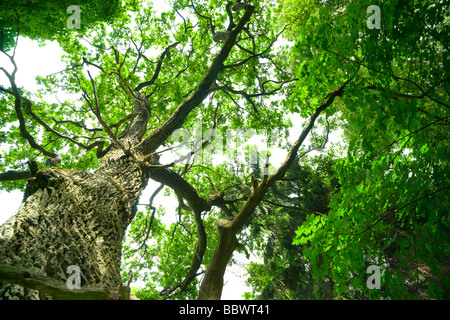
(392, 208)
(47, 20)
(163, 263)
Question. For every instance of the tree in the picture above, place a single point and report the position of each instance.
(141, 78)
(75, 217)
(285, 273)
(48, 20)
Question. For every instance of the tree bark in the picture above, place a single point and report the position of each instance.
(212, 284)
(72, 217)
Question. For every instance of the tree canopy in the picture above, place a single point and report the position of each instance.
(320, 219)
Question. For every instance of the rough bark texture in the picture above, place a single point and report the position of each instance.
(73, 218)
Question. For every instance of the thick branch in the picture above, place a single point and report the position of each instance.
(13, 175)
(183, 188)
(27, 278)
(293, 151)
(158, 69)
(141, 107)
(177, 119)
(211, 286)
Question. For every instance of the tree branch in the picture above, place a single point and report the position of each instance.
(157, 70)
(268, 181)
(211, 286)
(198, 205)
(13, 175)
(28, 278)
(18, 108)
(249, 97)
(149, 227)
(176, 120)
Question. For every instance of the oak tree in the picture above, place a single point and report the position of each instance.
(136, 78)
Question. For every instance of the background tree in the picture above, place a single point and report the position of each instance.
(392, 208)
(285, 273)
(45, 20)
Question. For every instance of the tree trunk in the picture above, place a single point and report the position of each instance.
(72, 217)
(212, 284)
